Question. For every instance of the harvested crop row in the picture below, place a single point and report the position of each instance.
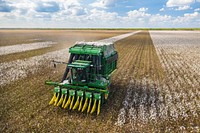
(117, 38)
(13, 37)
(142, 72)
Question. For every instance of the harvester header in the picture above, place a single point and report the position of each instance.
(86, 80)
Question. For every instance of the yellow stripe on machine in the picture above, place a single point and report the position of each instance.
(53, 99)
(85, 104)
(68, 102)
(76, 104)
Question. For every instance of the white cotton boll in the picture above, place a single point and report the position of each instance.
(177, 52)
(17, 69)
(24, 47)
(121, 117)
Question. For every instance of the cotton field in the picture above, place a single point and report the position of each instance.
(156, 87)
(176, 96)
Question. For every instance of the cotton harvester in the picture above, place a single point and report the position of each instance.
(86, 81)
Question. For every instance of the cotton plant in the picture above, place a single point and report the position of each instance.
(17, 69)
(4, 50)
(179, 92)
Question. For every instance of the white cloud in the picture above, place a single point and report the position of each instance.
(180, 4)
(144, 19)
(191, 15)
(173, 3)
(138, 13)
(72, 13)
(72, 7)
(160, 18)
(23, 4)
(136, 18)
(143, 9)
(69, 3)
(46, 9)
(188, 19)
(162, 9)
(101, 15)
(182, 8)
(129, 6)
(104, 3)
(197, 9)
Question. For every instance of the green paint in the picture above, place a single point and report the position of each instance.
(89, 73)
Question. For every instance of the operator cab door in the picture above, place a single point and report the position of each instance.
(79, 75)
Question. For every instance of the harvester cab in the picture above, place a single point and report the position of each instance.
(79, 72)
(85, 83)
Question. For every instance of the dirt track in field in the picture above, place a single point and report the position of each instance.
(138, 62)
(135, 104)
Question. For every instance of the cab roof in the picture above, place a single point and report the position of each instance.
(93, 48)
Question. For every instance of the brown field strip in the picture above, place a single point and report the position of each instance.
(12, 37)
(65, 39)
(138, 60)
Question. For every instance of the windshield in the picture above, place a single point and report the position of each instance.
(79, 74)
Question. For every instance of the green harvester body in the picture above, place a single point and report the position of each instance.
(87, 77)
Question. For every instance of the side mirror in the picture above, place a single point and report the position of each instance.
(54, 65)
(57, 62)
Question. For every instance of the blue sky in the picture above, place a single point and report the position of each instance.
(99, 13)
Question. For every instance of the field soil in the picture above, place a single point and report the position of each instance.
(140, 93)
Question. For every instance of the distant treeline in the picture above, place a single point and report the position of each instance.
(99, 28)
